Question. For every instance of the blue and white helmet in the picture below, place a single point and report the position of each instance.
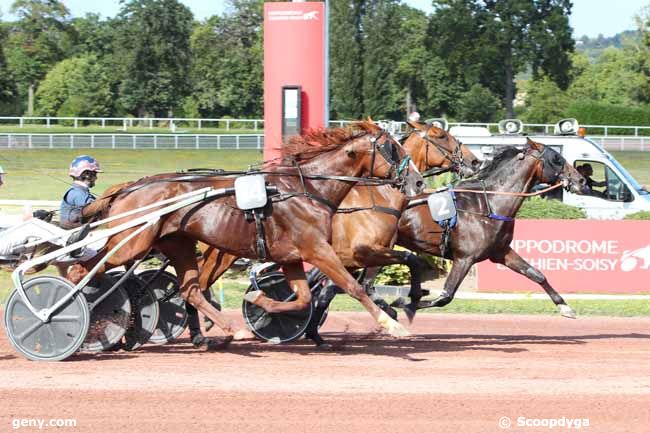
(83, 163)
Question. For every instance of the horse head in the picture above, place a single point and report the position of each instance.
(554, 168)
(386, 158)
(431, 147)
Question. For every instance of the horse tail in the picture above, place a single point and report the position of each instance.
(100, 206)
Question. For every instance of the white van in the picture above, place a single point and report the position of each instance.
(615, 193)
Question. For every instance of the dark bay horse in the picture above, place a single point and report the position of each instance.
(365, 227)
(485, 222)
(298, 224)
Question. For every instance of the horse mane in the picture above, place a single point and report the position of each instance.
(496, 166)
(320, 140)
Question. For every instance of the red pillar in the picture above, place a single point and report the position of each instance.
(294, 55)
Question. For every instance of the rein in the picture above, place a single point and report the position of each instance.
(516, 194)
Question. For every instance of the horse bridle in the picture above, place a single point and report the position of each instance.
(455, 157)
(389, 152)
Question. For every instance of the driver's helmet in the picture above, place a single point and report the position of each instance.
(83, 163)
(414, 116)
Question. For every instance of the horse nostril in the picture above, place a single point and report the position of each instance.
(419, 183)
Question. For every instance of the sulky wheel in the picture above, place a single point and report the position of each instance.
(172, 319)
(109, 320)
(59, 337)
(144, 312)
(276, 327)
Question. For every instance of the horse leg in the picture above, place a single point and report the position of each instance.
(515, 262)
(382, 256)
(182, 255)
(322, 301)
(324, 257)
(297, 281)
(456, 276)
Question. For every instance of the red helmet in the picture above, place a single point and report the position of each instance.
(83, 163)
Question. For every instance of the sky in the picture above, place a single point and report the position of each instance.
(589, 17)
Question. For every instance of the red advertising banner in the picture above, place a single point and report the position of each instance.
(585, 256)
(294, 55)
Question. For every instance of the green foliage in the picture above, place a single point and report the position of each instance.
(394, 275)
(593, 113)
(154, 36)
(40, 38)
(614, 79)
(504, 38)
(79, 86)
(643, 215)
(7, 83)
(545, 102)
(478, 104)
(227, 72)
(541, 208)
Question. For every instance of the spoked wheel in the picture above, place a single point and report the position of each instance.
(144, 312)
(172, 319)
(109, 320)
(272, 327)
(56, 339)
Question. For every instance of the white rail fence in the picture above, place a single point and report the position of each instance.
(210, 141)
(132, 141)
(124, 123)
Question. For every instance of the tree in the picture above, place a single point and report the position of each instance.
(40, 38)
(79, 86)
(478, 104)
(346, 61)
(7, 83)
(545, 101)
(227, 71)
(614, 79)
(491, 41)
(155, 40)
(643, 54)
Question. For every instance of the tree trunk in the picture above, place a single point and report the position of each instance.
(510, 90)
(30, 100)
(409, 107)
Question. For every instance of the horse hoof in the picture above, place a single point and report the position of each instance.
(393, 327)
(221, 344)
(324, 347)
(567, 311)
(243, 334)
(409, 311)
(253, 296)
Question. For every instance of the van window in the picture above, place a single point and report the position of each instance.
(603, 182)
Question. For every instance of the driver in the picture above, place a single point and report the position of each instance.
(83, 170)
(586, 170)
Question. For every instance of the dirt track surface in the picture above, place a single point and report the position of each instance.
(458, 373)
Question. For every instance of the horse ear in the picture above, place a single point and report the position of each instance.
(370, 119)
(417, 125)
(534, 145)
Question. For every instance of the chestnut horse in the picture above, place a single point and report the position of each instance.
(364, 228)
(297, 223)
(485, 222)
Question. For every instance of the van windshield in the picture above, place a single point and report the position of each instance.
(627, 175)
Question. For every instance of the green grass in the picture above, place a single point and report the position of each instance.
(42, 174)
(117, 129)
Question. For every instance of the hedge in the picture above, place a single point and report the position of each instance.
(541, 208)
(643, 215)
(591, 113)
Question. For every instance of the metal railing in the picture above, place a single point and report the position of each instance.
(133, 122)
(132, 141)
(211, 141)
(258, 124)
